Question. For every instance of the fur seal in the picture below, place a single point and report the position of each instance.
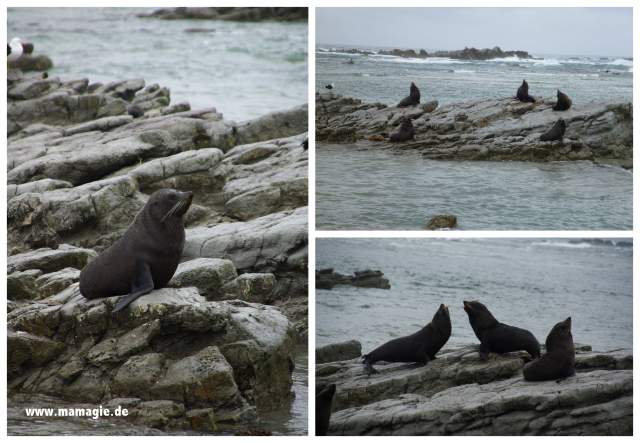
(329, 86)
(412, 99)
(559, 361)
(498, 337)
(324, 398)
(405, 132)
(135, 111)
(555, 133)
(563, 103)
(145, 257)
(523, 93)
(420, 347)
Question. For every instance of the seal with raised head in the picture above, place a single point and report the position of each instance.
(555, 133)
(559, 361)
(324, 399)
(145, 257)
(412, 99)
(498, 337)
(563, 103)
(420, 347)
(523, 93)
(405, 132)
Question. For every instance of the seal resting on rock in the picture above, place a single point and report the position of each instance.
(145, 257)
(420, 347)
(563, 103)
(405, 132)
(559, 361)
(412, 99)
(523, 93)
(555, 133)
(324, 398)
(498, 337)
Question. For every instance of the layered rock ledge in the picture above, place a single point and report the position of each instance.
(328, 279)
(458, 394)
(496, 129)
(216, 348)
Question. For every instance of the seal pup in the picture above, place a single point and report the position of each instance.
(563, 103)
(420, 347)
(498, 337)
(145, 257)
(555, 133)
(559, 361)
(405, 132)
(324, 399)
(523, 93)
(412, 99)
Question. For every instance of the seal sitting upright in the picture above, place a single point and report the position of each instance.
(420, 347)
(404, 133)
(498, 337)
(146, 256)
(563, 103)
(412, 99)
(559, 361)
(523, 93)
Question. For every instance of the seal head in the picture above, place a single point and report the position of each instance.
(145, 257)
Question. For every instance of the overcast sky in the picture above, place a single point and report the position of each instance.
(569, 31)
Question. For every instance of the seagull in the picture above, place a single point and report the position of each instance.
(329, 86)
(14, 49)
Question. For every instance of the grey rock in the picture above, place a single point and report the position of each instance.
(209, 275)
(346, 350)
(50, 260)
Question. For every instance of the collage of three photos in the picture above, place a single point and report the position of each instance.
(158, 242)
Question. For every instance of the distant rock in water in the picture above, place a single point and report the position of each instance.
(230, 14)
(460, 54)
(345, 350)
(327, 279)
(442, 222)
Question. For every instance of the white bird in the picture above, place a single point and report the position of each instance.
(14, 48)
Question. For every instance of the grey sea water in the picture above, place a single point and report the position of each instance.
(245, 70)
(375, 189)
(530, 283)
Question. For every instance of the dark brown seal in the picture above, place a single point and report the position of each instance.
(555, 133)
(405, 132)
(420, 347)
(412, 99)
(559, 361)
(324, 399)
(498, 337)
(145, 257)
(563, 103)
(523, 93)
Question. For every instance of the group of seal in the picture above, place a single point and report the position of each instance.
(563, 103)
(145, 257)
(494, 336)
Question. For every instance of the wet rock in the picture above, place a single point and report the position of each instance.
(459, 394)
(442, 222)
(346, 350)
(327, 279)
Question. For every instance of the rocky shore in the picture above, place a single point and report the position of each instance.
(495, 129)
(460, 54)
(229, 13)
(458, 394)
(327, 279)
(216, 348)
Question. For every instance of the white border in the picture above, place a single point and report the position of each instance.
(328, 234)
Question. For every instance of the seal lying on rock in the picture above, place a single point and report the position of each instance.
(563, 103)
(523, 93)
(555, 133)
(498, 337)
(412, 99)
(324, 398)
(405, 132)
(420, 347)
(559, 361)
(145, 257)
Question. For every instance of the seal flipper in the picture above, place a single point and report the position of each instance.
(142, 284)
